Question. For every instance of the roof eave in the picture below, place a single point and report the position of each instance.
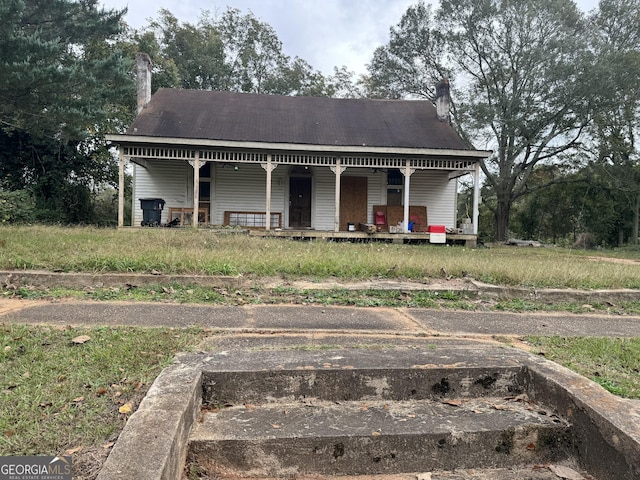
(350, 149)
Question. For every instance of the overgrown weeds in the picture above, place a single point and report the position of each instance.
(186, 251)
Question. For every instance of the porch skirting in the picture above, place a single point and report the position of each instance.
(469, 240)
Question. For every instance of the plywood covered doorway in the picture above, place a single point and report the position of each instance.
(353, 201)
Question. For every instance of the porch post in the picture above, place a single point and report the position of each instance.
(338, 170)
(408, 171)
(122, 161)
(268, 167)
(196, 164)
(476, 198)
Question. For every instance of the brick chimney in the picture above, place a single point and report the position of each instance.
(443, 100)
(143, 77)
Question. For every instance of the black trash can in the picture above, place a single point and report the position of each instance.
(151, 211)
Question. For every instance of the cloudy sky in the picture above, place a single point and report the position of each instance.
(325, 33)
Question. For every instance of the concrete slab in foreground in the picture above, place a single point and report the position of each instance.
(603, 436)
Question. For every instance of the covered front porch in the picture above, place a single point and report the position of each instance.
(343, 190)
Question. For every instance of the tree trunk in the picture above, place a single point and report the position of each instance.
(502, 219)
(620, 236)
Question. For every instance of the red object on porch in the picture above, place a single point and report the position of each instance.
(380, 219)
(437, 229)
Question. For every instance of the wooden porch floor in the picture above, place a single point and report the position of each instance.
(470, 241)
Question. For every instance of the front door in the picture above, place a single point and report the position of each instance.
(353, 201)
(299, 202)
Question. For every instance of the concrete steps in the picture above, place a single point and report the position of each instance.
(348, 413)
(270, 406)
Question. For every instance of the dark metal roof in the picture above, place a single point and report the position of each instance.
(246, 117)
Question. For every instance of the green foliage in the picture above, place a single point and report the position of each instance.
(232, 52)
(528, 89)
(16, 206)
(411, 63)
(49, 65)
(63, 84)
(616, 41)
(525, 82)
(573, 208)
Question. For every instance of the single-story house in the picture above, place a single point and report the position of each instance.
(295, 163)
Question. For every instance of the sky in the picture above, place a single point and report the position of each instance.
(325, 33)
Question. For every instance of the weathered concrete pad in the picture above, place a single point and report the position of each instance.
(532, 472)
(343, 375)
(604, 432)
(223, 317)
(355, 438)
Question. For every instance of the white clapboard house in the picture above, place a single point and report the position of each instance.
(295, 164)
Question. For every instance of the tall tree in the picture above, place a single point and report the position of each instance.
(411, 64)
(51, 84)
(617, 44)
(521, 75)
(528, 94)
(60, 78)
(232, 52)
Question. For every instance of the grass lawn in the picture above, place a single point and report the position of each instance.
(185, 251)
(614, 363)
(72, 389)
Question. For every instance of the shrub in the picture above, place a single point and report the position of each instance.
(16, 206)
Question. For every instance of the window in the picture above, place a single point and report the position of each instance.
(395, 181)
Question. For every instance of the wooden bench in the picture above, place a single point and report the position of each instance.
(252, 219)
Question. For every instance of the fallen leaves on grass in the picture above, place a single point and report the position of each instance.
(71, 451)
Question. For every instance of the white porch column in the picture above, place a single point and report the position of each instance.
(268, 167)
(407, 172)
(476, 198)
(122, 162)
(338, 170)
(196, 164)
